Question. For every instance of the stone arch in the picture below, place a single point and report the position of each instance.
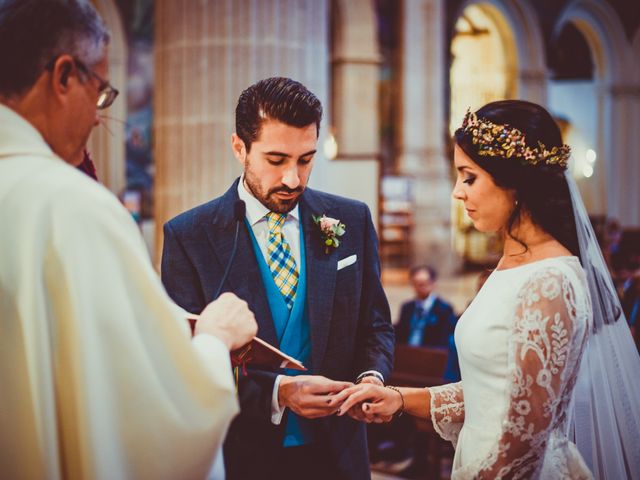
(520, 72)
(618, 102)
(604, 32)
(518, 23)
(107, 142)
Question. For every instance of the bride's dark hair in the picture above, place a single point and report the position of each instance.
(540, 189)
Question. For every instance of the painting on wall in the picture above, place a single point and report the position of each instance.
(138, 18)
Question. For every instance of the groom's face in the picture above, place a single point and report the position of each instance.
(277, 168)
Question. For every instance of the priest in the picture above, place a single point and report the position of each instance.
(99, 375)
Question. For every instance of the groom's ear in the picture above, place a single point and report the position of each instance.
(238, 148)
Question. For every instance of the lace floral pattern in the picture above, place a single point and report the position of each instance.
(447, 410)
(545, 346)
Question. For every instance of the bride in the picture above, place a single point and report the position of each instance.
(549, 387)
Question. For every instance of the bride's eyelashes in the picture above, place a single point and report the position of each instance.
(469, 180)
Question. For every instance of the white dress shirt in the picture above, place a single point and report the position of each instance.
(428, 302)
(255, 213)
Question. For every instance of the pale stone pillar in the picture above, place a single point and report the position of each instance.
(354, 114)
(424, 131)
(107, 141)
(622, 147)
(633, 121)
(207, 52)
(532, 86)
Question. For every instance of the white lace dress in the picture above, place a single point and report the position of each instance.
(519, 345)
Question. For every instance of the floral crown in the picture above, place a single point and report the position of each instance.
(504, 141)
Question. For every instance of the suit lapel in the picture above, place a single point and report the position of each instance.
(244, 277)
(321, 275)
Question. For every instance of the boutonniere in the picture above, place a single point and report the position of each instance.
(330, 229)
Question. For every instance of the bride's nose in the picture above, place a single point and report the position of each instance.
(458, 192)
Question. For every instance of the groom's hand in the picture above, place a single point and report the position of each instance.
(309, 395)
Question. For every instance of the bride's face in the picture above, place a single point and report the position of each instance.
(488, 205)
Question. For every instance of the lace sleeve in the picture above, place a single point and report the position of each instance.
(544, 331)
(447, 410)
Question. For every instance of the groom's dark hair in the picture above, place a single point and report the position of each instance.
(276, 98)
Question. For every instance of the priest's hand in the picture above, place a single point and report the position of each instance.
(310, 395)
(229, 319)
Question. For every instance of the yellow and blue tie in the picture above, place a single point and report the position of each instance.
(281, 262)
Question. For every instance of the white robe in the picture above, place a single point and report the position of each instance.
(99, 378)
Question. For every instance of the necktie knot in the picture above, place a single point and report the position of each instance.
(275, 222)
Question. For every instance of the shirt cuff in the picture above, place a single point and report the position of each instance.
(276, 411)
(370, 373)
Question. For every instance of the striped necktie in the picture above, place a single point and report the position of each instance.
(281, 262)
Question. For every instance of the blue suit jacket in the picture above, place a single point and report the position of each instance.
(436, 335)
(349, 317)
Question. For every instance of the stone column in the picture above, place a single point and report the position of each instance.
(107, 141)
(622, 164)
(355, 116)
(207, 52)
(532, 86)
(634, 139)
(424, 131)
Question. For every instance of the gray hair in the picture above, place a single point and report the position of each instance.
(43, 30)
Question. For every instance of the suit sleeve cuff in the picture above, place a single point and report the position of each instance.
(276, 411)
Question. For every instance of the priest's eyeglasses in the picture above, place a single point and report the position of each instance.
(107, 92)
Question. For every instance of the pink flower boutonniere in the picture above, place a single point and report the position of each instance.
(330, 229)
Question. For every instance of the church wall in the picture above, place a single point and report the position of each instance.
(576, 101)
(207, 52)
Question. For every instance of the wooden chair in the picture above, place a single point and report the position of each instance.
(419, 366)
(424, 367)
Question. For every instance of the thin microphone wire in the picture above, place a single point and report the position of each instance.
(239, 209)
(233, 254)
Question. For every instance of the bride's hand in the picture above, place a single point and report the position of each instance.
(375, 404)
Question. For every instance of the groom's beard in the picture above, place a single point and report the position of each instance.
(269, 199)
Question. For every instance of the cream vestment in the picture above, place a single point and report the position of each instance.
(99, 377)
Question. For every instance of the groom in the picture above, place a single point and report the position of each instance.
(323, 304)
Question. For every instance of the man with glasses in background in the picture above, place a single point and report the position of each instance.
(99, 376)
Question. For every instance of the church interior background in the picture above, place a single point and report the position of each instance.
(395, 78)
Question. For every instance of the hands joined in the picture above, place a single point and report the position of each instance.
(313, 396)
